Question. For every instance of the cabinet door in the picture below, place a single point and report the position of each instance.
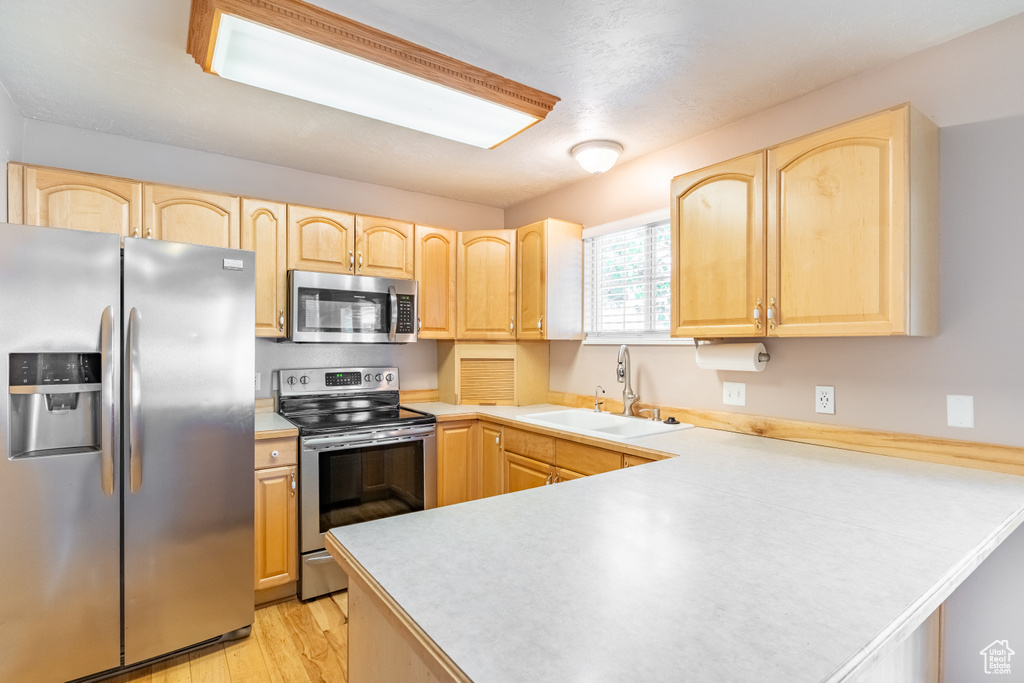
(277, 527)
(837, 228)
(634, 460)
(492, 461)
(174, 214)
(435, 271)
(458, 471)
(321, 240)
(525, 473)
(584, 459)
(531, 294)
(486, 285)
(384, 248)
(80, 201)
(562, 474)
(718, 247)
(264, 226)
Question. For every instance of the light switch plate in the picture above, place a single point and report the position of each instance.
(825, 400)
(258, 381)
(960, 411)
(734, 393)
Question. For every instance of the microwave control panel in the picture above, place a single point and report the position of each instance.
(406, 311)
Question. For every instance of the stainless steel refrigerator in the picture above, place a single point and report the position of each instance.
(126, 436)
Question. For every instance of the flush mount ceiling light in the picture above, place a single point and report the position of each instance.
(596, 156)
(298, 49)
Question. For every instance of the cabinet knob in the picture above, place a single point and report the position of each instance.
(274, 454)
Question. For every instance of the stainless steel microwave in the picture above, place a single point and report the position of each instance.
(326, 307)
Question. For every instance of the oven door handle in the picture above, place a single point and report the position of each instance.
(393, 303)
(364, 439)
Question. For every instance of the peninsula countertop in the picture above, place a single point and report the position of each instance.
(742, 559)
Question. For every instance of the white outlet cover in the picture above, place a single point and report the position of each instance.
(734, 393)
(259, 379)
(825, 400)
(960, 411)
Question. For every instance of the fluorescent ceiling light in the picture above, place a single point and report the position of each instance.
(468, 105)
(596, 156)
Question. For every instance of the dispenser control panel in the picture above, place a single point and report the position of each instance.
(47, 369)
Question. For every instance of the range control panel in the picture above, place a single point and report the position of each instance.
(337, 380)
(406, 312)
(42, 369)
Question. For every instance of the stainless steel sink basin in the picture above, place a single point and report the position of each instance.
(601, 425)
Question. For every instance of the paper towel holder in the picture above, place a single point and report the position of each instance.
(761, 357)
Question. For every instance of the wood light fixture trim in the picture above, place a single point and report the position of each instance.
(331, 30)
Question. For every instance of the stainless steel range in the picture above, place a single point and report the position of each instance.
(362, 457)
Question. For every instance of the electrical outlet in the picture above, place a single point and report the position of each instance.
(734, 393)
(258, 381)
(825, 400)
(960, 411)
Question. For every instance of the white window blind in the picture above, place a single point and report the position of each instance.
(627, 283)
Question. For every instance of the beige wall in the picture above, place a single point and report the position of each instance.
(969, 87)
(12, 126)
(50, 144)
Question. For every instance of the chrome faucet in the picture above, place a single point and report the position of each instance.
(628, 397)
(597, 402)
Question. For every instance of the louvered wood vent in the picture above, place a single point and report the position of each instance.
(487, 380)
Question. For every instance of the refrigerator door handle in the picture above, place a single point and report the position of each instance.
(107, 422)
(134, 404)
(393, 302)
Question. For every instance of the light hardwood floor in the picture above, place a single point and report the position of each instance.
(291, 642)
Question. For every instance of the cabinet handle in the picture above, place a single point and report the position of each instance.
(512, 324)
(135, 232)
(557, 479)
(360, 260)
(757, 314)
(293, 483)
(280, 321)
(351, 260)
(149, 233)
(771, 314)
(627, 464)
(497, 440)
(540, 323)
(547, 482)
(274, 454)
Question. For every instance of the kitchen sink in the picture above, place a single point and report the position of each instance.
(601, 425)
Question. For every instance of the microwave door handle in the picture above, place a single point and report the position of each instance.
(393, 302)
(107, 422)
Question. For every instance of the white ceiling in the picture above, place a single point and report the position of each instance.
(647, 73)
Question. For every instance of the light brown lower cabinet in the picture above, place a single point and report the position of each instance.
(458, 466)
(491, 465)
(277, 515)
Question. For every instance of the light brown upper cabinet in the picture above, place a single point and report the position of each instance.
(851, 235)
(384, 247)
(718, 242)
(264, 231)
(79, 201)
(550, 280)
(321, 240)
(486, 285)
(435, 270)
(175, 214)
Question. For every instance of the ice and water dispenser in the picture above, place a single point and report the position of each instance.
(54, 403)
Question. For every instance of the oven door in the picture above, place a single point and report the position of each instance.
(326, 307)
(366, 477)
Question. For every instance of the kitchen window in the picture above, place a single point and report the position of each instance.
(627, 283)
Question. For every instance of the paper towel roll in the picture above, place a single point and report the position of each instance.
(746, 357)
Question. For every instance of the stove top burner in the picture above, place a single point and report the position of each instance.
(334, 414)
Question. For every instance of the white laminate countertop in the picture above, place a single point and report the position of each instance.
(271, 422)
(743, 559)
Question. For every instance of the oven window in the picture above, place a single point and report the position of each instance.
(361, 484)
(332, 310)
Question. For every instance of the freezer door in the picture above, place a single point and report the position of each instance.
(189, 346)
(60, 509)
